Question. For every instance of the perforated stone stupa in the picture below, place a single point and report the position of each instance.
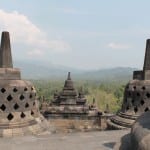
(19, 114)
(136, 96)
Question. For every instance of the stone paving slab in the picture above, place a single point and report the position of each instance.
(102, 140)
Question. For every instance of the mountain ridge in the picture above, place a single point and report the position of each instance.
(40, 71)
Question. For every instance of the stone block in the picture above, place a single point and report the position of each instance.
(10, 73)
(138, 75)
(147, 75)
(7, 132)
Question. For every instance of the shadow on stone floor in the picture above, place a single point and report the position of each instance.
(110, 144)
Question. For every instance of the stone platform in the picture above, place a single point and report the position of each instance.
(104, 140)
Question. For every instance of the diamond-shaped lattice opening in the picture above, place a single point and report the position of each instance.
(9, 97)
(30, 96)
(22, 97)
(146, 109)
(32, 113)
(148, 95)
(143, 88)
(134, 87)
(127, 108)
(132, 101)
(138, 94)
(25, 89)
(129, 94)
(3, 107)
(142, 102)
(26, 105)
(15, 90)
(3, 90)
(135, 109)
(10, 117)
(16, 106)
(32, 88)
(33, 103)
(22, 115)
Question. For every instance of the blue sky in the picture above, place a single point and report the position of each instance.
(84, 34)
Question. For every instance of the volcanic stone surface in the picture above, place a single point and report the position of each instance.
(136, 96)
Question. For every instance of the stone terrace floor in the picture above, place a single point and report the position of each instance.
(101, 140)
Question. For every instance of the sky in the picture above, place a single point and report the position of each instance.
(82, 34)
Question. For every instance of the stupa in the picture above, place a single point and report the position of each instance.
(69, 95)
(69, 103)
(19, 113)
(136, 96)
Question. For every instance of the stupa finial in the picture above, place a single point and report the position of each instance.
(147, 56)
(5, 51)
(69, 76)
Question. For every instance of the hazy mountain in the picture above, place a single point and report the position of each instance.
(112, 74)
(50, 71)
(31, 70)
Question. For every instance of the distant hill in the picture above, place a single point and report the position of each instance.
(44, 71)
(49, 71)
(112, 74)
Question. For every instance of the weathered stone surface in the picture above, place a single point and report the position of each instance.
(136, 97)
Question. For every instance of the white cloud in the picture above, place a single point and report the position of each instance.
(25, 32)
(114, 45)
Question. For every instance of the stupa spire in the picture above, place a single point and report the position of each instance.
(69, 76)
(5, 51)
(147, 56)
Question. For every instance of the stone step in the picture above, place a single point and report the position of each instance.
(122, 121)
(123, 115)
(113, 126)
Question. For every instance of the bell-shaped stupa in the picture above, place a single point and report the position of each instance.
(19, 113)
(136, 96)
